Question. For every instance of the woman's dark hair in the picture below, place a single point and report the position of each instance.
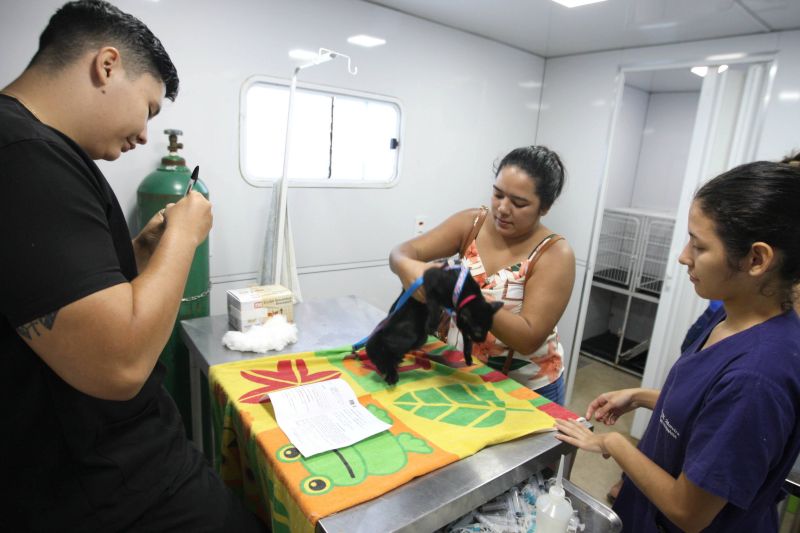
(758, 202)
(86, 24)
(541, 164)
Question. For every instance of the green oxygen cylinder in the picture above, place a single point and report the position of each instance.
(166, 185)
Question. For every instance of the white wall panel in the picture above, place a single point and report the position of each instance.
(575, 119)
(665, 150)
(376, 285)
(567, 326)
(780, 135)
(626, 147)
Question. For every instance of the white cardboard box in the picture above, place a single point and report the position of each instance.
(254, 305)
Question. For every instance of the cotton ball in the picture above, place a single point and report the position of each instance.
(274, 334)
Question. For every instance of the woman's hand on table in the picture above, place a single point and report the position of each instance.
(575, 433)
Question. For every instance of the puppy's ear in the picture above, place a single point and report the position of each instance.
(496, 306)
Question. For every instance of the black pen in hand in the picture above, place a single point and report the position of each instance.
(192, 180)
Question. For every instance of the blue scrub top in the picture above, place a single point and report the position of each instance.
(727, 416)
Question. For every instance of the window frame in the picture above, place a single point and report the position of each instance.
(325, 89)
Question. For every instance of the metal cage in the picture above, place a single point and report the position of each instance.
(656, 245)
(617, 249)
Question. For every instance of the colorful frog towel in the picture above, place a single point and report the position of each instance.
(439, 414)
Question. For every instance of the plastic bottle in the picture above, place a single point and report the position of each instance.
(553, 509)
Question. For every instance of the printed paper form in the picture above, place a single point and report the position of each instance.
(323, 416)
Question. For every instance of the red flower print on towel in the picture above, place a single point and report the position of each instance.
(288, 374)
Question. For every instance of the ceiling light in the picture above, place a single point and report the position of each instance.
(366, 41)
(700, 71)
(789, 96)
(576, 3)
(726, 57)
(721, 69)
(657, 26)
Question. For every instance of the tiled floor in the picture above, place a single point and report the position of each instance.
(590, 471)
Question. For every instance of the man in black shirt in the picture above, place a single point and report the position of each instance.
(92, 442)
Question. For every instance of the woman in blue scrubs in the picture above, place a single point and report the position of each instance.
(725, 429)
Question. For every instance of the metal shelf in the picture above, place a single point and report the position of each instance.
(625, 291)
(611, 364)
(630, 356)
(631, 261)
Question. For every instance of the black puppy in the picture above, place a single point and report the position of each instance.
(449, 287)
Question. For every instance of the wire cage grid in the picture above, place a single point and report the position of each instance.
(617, 250)
(655, 253)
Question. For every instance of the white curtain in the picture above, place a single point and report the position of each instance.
(269, 265)
(278, 265)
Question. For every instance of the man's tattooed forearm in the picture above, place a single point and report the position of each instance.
(47, 321)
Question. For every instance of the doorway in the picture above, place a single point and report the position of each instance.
(674, 128)
(647, 162)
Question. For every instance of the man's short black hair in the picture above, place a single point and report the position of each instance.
(88, 24)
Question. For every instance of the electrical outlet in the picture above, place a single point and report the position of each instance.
(420, 224)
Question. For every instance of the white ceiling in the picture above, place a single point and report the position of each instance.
(549, 29)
